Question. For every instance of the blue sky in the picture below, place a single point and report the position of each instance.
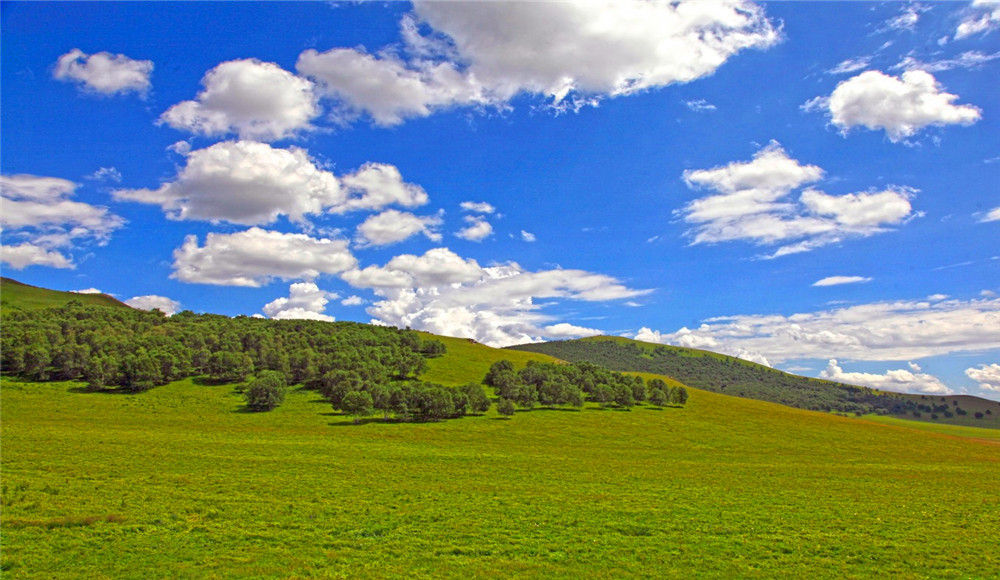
(812, 186)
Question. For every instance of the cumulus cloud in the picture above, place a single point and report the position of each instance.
(988, 376)
(442, 292)
(104, 73)
(901, 106)
(252, 183)
(353, 301)
(838, 280)
(879, 331)
(900, 380)
(39, 212)
(477, 230)
(305, 301)
(88, 291)
(566, 330)
(27, 254)
(752, 203)
(527, 236)
(983, 17)
(386, 88)
(254, 257)
(484, 54)
(603, 48)
(253, 99)
(152, 301)
(392, 226)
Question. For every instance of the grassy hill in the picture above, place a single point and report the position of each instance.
(468, 361)
(178, 482)
(14, 294)
(732, 376)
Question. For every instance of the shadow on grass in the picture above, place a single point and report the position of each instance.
(105, 391)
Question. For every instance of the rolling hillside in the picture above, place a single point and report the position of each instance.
(180, 481)
(14, 294)
(732, 376)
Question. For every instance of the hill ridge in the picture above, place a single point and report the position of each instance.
(729, 375)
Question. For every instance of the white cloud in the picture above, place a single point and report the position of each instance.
(969, 60)
(907, 19)
(851, 65)
(386, 88)
(251, 183)
(992, 215)
(900, 380)
(982, 18)
(444, 293)
(256, 256)
(477, 207)
(377, 185)
(700, 106)
(988, 376)
(565, 330)
(23, 255)
(39, 211)
(527, 236)
(879, 331)
(477, 230)
(104, 73)
(305, 301)
(152, 301)
(253, 99)
(106, 174)
(393, 226)
(352, 301)
(88, 291)
(902, 106)
(595, 48)
(484, 54)
(752, 204)
(838, 280)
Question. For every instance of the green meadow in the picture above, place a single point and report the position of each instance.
(181, 482)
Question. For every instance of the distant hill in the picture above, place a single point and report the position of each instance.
(732, 376)
(14, 294)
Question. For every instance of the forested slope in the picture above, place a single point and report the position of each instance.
(732, 376)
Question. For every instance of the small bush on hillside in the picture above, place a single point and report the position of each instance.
(267, 391)
(505, 407)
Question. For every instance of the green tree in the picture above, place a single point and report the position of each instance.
(476, 395)
(505, 407)
(358, 404)
(267, 391)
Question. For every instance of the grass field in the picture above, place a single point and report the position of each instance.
(467, 361)
(14, 293)
(178, 482)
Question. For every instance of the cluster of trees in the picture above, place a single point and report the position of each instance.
(551, 385)
(134, 350)
(728, 375)
(402, 400)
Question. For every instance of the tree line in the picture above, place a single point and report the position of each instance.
(135, 350)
